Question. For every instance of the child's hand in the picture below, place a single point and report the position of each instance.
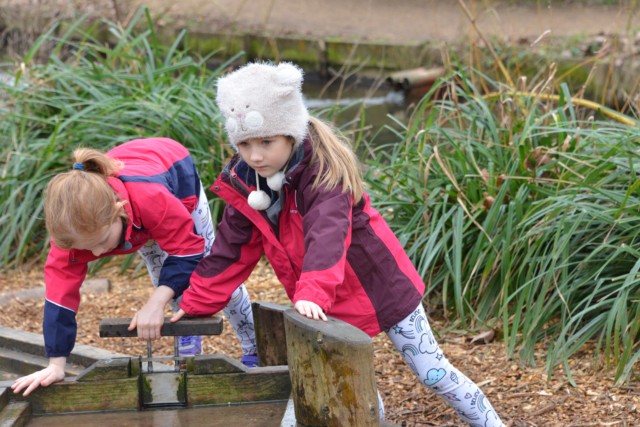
(150, 318)
(310, 310)
(148, 321)
(45, 377)
(178, 315)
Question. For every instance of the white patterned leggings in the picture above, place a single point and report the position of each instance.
(414, 339)
(238, 311)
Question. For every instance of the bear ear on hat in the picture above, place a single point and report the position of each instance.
(289, 75)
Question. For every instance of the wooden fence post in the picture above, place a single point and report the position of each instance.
(270, 337)
(332, 372)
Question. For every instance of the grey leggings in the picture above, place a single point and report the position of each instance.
(414, 339)
(238, 311)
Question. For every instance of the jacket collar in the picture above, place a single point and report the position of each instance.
(238, 169)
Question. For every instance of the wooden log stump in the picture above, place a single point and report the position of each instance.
(270, 336)
(332, 372)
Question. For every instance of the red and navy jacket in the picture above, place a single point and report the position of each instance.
(161, 187)
(322, 247)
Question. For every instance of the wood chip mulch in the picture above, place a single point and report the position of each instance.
(522, 395)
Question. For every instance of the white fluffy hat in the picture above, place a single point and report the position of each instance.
(262, 100)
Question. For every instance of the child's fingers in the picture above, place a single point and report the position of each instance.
(134, 323)
(34, 385)
(178, 315)
(310, 309)
(303, 308)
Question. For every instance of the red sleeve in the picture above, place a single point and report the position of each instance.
(64, 273)
(236, 251)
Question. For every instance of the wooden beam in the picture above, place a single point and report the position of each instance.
(118, 327)
(256, 384)
(89, 396)
(109, 369)
(213, 364)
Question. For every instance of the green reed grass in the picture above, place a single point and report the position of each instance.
(90, 94)
(518, 209)
(522, 214)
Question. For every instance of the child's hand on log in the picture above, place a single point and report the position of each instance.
(310, 310)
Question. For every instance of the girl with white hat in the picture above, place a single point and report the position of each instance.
(294, 192)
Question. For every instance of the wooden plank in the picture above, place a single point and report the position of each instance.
(257, 384)
(270, 335)
(118, 327)
(73, 396)
(15, 414)
(107, 369)
(20, 364)
(5, 394)
(24, 342)
(213, 364)
(332, 372)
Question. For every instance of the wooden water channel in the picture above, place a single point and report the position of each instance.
(311, 373)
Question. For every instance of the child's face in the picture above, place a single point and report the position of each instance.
(266, 155)
(105, 242)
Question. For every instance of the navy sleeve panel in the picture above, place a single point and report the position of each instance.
(176, 272)
(181, 179)
(60, 329)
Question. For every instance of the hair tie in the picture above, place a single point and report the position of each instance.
(78, 166)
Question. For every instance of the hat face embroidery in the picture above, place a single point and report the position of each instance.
(253, 120)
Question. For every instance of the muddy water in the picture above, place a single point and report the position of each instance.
(378, 107)
(247, 415)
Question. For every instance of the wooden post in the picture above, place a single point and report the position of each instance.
(270, 337)
(332, 372)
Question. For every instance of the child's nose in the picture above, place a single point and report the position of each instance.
(256, 155)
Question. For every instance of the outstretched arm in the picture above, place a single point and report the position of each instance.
(45, 377)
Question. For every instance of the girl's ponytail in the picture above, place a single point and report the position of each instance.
(90, 160)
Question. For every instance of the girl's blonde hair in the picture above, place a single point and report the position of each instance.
(81, 203)
(335, 158)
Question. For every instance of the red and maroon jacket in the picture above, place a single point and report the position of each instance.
(323, 248)
(161, 187)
